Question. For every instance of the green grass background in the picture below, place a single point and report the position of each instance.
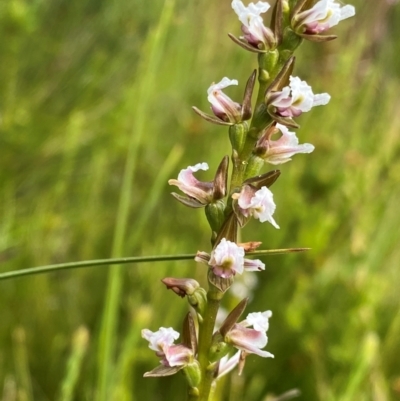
(95, 116)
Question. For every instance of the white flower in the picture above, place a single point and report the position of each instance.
(191, 186)
(222, 105)
(322, 16)
(161, 339)
(296, 98)
(227, 259)
(253, 27)
(251, 340)
(257, 203)
(162, 342)
(281, 150)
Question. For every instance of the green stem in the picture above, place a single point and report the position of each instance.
(205, 340)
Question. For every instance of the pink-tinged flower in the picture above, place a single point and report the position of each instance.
(227, 259)
(257, 203)
(296, 98)
(322, 16)
(162, 342)
(281, 150)
(222, 105)
(251, 340)
(191, 186)
(255, 33)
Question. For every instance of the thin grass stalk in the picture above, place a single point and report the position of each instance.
(79, 347)
(110, 315)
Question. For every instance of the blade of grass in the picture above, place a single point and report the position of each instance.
(79, 347)
(147, 75)
(120, 261)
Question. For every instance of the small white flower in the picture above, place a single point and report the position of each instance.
(162, 342)
(251, 340)
(227, 259)
(222, 105)
(322, 16)
(255, 32)
(296, 98)
(281, 150)
(191, 186)
(257, 203)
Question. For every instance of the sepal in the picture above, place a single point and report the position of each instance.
(248, 92)
(221, 179)
(233, 317)
(229, 229)
(276, 21)
(193, 373)
(282, 78)
(161, 371)
(222, 284)
(264, 180)
(190, 202)
(242, 43)
(317, 38)
(189, 338)
(209, 118)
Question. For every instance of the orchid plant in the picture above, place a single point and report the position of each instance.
(259, 135)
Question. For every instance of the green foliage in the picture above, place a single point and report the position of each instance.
(86, 84)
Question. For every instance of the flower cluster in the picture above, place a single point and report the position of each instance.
(231, 200)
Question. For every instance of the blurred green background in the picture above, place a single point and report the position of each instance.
(95, 116)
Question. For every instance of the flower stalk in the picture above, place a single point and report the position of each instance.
(259, 135)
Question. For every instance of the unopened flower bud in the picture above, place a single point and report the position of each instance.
(193, 373)
(237, 136)
(215, 213)
(218, 349)
(181, 286)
